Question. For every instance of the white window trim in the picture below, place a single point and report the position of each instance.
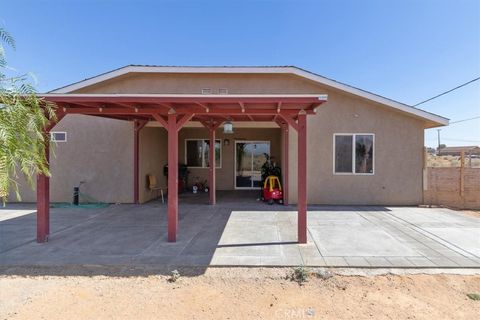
(52, 134)
(353, 173)
(203, 159)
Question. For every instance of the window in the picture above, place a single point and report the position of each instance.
(57, 136)
(353, 153)
(343, 154)
(196, 153)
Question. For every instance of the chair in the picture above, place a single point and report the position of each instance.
(153, 187)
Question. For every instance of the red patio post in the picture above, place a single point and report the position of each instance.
(285, 162)
(211, 167)
(172, 177)
(43, 188)
(212, 127)
(43, 202)
(302, 177)
(172, 126)
(137, 126)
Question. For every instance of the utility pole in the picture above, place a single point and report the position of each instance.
(438, 135)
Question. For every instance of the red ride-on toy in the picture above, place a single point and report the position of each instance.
(272, 190)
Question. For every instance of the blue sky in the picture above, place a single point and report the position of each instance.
(407, 50)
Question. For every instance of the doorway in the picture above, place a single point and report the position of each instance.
(249, 158)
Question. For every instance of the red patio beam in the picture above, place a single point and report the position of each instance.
(170, 99)
(165, 106)
(160, 119)
(127, 105)
(288, 119)
(203, 105)
(212, 111)
(183, 120)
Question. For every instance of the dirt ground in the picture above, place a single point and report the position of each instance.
(451, 161)
(237, 293)
(472, 213)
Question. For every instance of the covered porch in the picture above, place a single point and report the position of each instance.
(173, 112)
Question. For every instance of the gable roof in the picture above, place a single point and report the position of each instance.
(433, 119)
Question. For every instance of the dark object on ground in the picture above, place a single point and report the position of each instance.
(182, 176)
(474, 296)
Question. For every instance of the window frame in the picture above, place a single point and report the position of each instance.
(203, 158)
(52, 134)
(353, 173)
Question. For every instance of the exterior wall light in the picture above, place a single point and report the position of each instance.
(228, 127)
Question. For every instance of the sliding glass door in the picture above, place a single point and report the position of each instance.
(249, 159)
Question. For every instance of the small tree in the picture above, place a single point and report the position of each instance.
(23, 119)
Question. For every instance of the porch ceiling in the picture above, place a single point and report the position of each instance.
(241, 107)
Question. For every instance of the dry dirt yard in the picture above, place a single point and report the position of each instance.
(451, 161)
(472, 213)
(236, 293)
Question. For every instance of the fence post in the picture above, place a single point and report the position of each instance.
(425, 174)
(462, 175)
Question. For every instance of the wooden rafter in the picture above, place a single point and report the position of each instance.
(184, 119)
(289, 119)
(160, 119)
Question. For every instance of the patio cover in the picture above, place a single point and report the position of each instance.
(172, 111)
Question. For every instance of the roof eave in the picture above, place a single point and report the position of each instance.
(434, 119)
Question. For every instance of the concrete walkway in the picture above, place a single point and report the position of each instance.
(243, 233)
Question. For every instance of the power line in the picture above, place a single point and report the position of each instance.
(477, 117)
(443, 93)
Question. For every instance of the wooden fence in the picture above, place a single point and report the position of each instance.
(454, 187)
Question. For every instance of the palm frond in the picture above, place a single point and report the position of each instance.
(6, 37)
(23, 118)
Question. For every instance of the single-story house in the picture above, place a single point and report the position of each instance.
(335, 144)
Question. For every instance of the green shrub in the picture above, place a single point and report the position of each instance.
(474, 296)
(300, 275)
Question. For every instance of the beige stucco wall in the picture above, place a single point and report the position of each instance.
(194, 83)
(101, 150)
(398, 159)
(225, 174)
(98, 151)
(152, 157)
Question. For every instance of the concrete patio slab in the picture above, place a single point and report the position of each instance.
(464, 238)
(358, 242)
(241, 231)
